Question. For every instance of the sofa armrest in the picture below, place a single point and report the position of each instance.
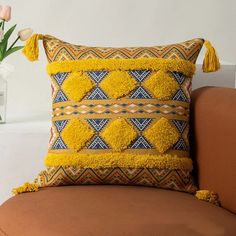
(213, 138)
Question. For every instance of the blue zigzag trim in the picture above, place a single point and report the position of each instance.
(141, 143)
(140, 75)
(98, 143)
(97, 76)
(98, 124)
(59, 144)
(141, 123)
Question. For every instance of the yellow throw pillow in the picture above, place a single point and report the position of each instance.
(120, 115)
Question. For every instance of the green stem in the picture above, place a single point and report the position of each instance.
(13, 43)
(3, 24)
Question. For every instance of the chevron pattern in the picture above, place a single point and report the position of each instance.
(59, 144)
(97, 76)
(140, 75)
(97, 124)
(173, 179)
(97, 94)
(141, 143)
(60, 124)
(58, 50)
(60, 78)
(141, 123)
(98, 143)
(140, 93)
(60, 97)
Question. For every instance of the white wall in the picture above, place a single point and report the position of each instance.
(112, 23)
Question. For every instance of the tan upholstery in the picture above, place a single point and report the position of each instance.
(214, 141)
(112, 211)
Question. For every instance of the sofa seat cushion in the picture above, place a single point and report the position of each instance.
(112, 210)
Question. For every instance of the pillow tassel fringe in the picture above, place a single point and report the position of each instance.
(26, 187)
(31, 48)
(211, 61)
(208, 196)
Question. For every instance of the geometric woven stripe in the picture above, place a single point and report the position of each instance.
(122, 108)
(141, 143)
(140, 75)
(60, 77)
(179, 180)
(140, 93)
(60, 124)
(60, 97)
(97, 94)
(141, 123)
(97, 76)
(59, 144)
(97, 124)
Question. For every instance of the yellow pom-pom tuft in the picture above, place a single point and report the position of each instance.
(208, 196)
(211, 61)
(119, 134)
(26, 187)
(162, 135)
(77, 85)
(31, 48)
(76, 134)
(118, 84)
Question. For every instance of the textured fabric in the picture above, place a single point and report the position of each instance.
(213, 141)
(112, 210)
(58, 50)
(120, 115)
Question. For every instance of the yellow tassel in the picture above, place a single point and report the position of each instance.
(31, 48)
(211, 61)
(26, 187)
(208, 196)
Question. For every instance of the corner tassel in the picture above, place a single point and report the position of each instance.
(208, 196)
(211, 61)
(26, 187)
(31, 48)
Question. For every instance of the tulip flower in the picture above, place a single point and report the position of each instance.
(24, 34)
(5, 13)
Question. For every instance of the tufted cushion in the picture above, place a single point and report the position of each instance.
(120, 115)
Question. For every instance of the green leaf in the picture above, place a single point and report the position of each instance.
(1, 24)
(8, 33)
(3, 44)
(12, 50)
(3, 48)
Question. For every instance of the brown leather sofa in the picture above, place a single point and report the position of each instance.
(142, 211)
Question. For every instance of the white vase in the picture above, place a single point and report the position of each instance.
(3, 99)
(5, 70)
